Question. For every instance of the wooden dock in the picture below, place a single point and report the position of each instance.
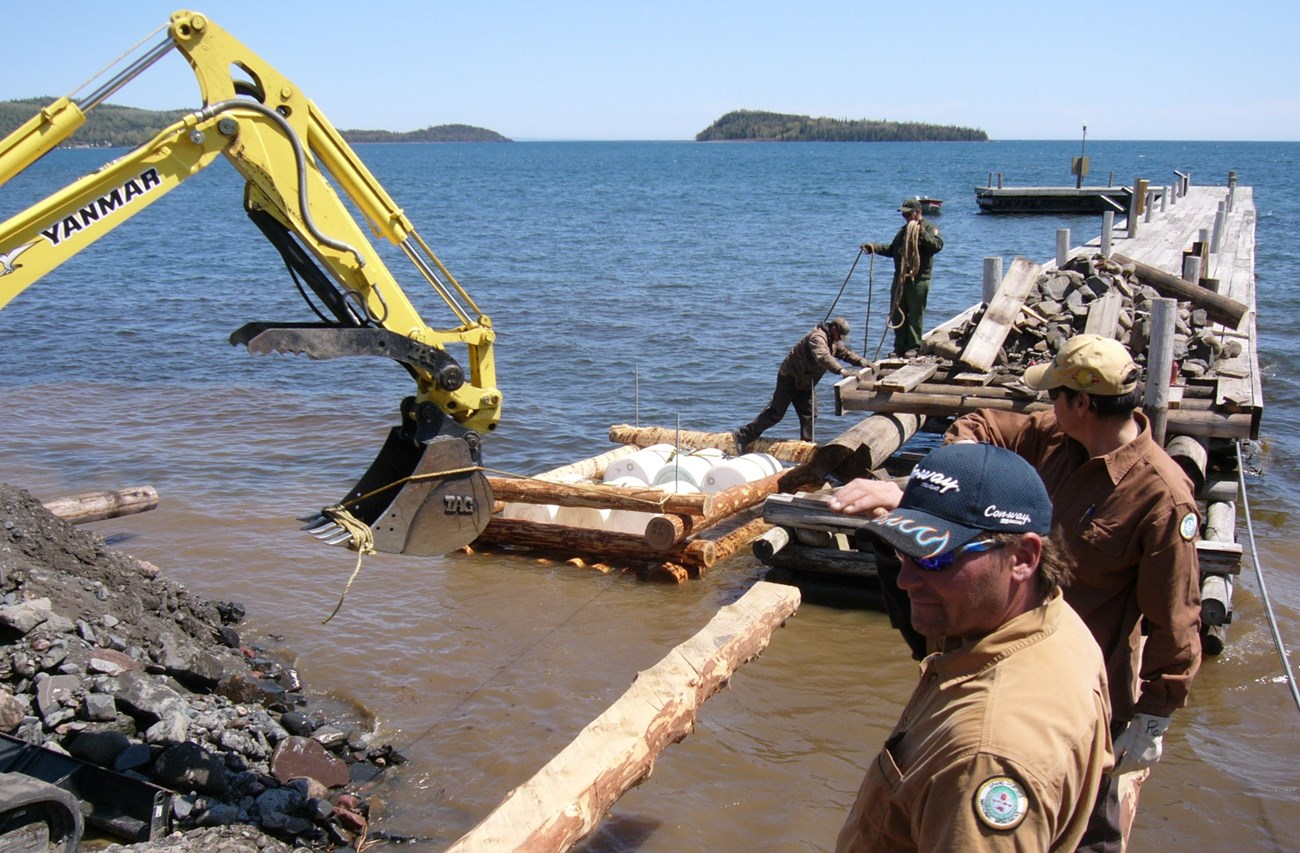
(1175, 284)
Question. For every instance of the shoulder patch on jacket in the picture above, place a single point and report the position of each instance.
(1001, 803)
(1188, 526)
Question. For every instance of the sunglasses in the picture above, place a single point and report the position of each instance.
(939, 562)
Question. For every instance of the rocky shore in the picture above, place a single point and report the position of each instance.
(110, 667)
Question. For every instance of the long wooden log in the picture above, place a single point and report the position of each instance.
(565, 542)
(97, 506)
(646, 499)
(567, 798)
(1219, 308)
(824, 561)
(663, 531)
(730, 543)
(863, 447)
(786, 451)
(587, 469)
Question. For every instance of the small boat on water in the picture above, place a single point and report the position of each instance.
(931, 206)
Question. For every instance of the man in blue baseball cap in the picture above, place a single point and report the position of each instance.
(1006, 739)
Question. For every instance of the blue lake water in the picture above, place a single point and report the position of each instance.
(654, 283)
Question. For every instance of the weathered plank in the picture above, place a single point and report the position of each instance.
(567, 798)
(987, 339)
(1103, 315)
(907, 378)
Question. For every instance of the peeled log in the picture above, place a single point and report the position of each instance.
(853, 453)
(97, 506)
(567, 798)
(1220, 309)
(664, 530)
(565, 542)
(586, 469)
(599, 496)
(786, 451)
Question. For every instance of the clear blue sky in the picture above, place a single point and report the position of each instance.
(666, 69)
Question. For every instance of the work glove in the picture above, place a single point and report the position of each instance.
(1140, 744)
(869, 248)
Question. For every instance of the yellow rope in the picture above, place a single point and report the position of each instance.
(363, 540)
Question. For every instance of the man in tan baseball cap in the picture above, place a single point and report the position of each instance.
(1125, 514)
(1088, 363)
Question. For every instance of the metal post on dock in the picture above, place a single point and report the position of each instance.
(1203, 237)
(1191, 268)
(1107, 228)
(992, 277)
(1217, 239)
(1150, 203)
(1164, 200)
(1160, 363)
(1232, 189)
(1062, 246)
(999, 180)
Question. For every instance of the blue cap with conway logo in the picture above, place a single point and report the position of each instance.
(962, 491)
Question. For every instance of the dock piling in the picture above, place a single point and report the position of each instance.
(1062, 246)
(1107, 229)
(1160, 362)
(992, 277)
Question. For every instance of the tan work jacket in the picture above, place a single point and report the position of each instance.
(1002, 746)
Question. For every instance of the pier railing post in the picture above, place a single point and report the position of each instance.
(1107, 229)
(1191, 268)
(1062, 246)
(1232, 189)
(1217, 240)
(1150, 203)
(1164, 200)
(1160, 363)
(1134, 206)
(992, 277)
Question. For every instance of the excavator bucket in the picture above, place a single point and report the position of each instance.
(418, 498)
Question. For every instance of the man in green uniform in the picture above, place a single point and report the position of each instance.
(816, 353)
(913, 250)
(1005, 741)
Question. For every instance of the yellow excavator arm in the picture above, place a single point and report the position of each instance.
(425, 493)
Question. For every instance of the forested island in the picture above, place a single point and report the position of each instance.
(759, 126)
(114, 126)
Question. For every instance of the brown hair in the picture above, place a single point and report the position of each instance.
(1053, 571)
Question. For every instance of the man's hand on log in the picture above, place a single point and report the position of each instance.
(866, 497)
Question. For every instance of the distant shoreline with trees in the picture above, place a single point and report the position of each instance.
(760, 126)
(114, 126)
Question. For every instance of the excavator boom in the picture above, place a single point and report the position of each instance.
(426, 492)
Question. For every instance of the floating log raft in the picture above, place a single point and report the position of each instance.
(567, 798)
(663, 535)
